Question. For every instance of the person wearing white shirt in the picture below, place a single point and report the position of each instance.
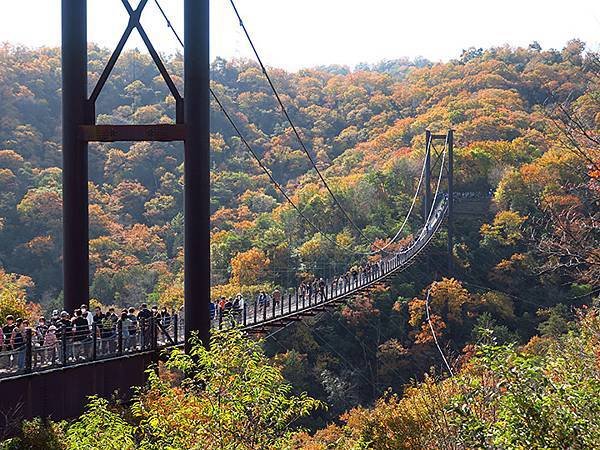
(87, 315)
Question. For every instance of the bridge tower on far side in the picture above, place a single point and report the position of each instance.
(432, 173)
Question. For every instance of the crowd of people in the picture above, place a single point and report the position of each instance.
(316, 290)
(312, 290)
(70, 337)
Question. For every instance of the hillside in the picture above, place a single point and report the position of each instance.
(527, 124)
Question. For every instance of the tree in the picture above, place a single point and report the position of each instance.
(230, 397)
(249, 267)
(13, 295)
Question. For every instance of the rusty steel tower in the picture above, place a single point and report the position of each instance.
(192, 126)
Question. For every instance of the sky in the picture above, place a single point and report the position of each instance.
(303, 33)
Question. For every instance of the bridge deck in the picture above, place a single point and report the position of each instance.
(253, 318)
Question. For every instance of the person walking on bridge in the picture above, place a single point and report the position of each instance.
(322, 289)
(81, 336)
(17, 341)
(7, 329)
(276, 296)
(133, 329)
(145, 319)
(87, 315)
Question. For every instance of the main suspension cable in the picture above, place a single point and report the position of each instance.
(414, 200)
(434, 335)
(268, 173)
(253, 153)
(295, 130)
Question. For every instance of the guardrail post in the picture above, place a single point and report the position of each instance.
(220, 318)
(94, 341)
(255, 310)
(154, 333)
(245, 314)
(63, 344)
(28, 350)
(296, 295)
(175, 319)
(273, 305)
(120, 337)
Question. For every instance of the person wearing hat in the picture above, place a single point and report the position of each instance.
(55, 317)
(41, 329)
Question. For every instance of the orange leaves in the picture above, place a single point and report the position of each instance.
(361, 311)
(40, 245)
(416, 311)
(424, 335)
(449, 302)
(249, 267)
(509, 271)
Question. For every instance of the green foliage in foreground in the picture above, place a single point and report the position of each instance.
(228, 397)
(545, 395)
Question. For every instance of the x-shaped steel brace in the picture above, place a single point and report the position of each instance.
(438, 156)
(134, 23)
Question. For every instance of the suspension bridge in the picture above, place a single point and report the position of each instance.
(57, 381)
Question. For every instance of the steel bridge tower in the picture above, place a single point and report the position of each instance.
(192, 126)
(447, 140)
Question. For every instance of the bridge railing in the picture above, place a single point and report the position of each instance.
(77, 346)
(254, 313)
(71, 346)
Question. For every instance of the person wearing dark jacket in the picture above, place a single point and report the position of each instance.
(81, 335)
(144, 318)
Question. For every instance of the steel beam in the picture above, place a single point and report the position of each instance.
(427, 180)
(134, 133)
(197, 169)
(450, 138)
(75, 158)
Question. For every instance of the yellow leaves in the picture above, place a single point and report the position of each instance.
(13, 296)
(249, 267)
(450, 295)
(40, 245)
(505, 229)
(344, 239)
(40, 206)
(500, 304)
(313, 248)
(416, 312)
(171, 296)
